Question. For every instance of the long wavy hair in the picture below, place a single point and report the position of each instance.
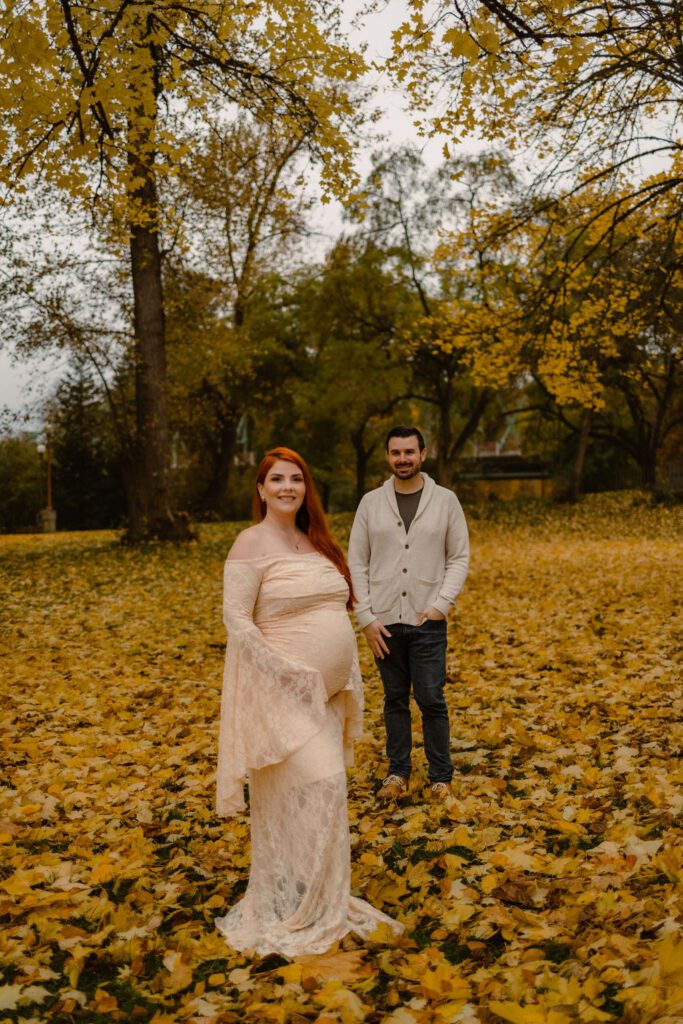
(310, 518)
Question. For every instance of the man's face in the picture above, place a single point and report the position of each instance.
(404, 457)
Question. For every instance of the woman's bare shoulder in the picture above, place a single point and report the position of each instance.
(250, 543)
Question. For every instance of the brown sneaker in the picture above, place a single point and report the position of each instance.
(393, 787)
(441, 790)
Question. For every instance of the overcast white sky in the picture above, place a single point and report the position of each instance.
(21, 385)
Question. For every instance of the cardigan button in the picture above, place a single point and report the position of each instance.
(405, 570)
(403, 593)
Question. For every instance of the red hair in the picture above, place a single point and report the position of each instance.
(310, 518)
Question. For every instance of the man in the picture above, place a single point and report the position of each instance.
(408, 555)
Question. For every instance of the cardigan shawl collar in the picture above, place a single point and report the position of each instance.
(427, 492)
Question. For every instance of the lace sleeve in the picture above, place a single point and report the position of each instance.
(353, 721)
(271, 705)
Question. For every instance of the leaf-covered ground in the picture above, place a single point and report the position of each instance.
(548, 892)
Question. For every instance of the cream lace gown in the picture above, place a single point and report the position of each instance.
(292, 705)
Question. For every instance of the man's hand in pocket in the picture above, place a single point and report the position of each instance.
(431, 613)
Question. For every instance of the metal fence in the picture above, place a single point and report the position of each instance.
(671, 476)
(631, 477)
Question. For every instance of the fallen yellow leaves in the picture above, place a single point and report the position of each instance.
(548, 892)
(335, 966)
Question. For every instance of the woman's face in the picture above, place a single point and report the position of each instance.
(283, 489)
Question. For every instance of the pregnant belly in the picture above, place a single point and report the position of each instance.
(323, 639)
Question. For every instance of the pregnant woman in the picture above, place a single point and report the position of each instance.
(292, 705)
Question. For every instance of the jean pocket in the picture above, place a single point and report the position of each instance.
(435, 625)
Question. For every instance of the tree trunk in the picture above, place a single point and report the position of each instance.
(444, 470)
(579, 461)
(648, 468)
(215, 495)
(150, 513)
(479, 401)
(361, 473)
(362, 457)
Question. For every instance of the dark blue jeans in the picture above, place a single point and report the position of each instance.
(417, 655)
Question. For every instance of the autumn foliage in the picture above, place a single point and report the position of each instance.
(549, 891)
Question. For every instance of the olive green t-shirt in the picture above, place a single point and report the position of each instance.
(407, 506)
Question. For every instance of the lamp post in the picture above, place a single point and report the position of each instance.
(47, 516)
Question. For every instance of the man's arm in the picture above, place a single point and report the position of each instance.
(359, 564)
(457, 557)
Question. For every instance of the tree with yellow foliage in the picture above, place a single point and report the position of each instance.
(592, 88)
(589, 96)
(590, 311)
(98, 99)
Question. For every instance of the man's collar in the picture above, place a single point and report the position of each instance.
(406, 493)
(390, 492)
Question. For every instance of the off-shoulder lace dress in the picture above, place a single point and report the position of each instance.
(292, 705)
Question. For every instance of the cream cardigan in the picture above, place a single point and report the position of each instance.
(397, 574)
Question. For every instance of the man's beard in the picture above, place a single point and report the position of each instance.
(407, 472)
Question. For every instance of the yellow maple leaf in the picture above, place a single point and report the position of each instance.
(180, 972)
(334, 966)
(343, 1001)
(517, 1014)
(670, 957)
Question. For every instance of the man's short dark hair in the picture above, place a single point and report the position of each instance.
(405, 432)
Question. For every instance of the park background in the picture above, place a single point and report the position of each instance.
(507, 274)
